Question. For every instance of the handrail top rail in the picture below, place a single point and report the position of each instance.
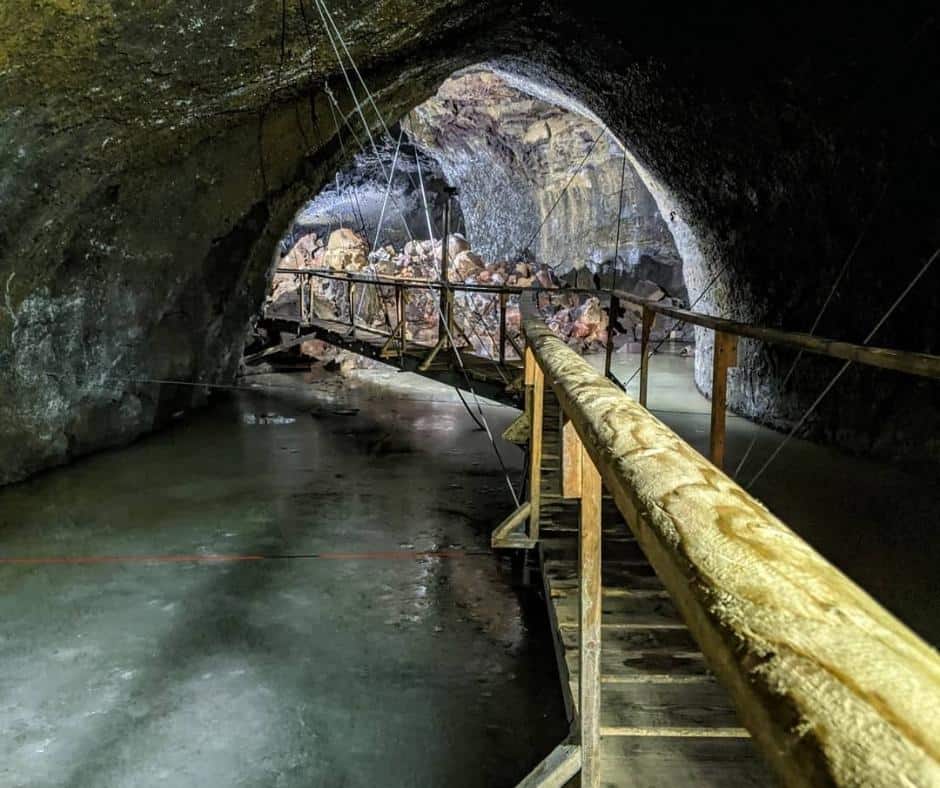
(833, 688)
(909, 362)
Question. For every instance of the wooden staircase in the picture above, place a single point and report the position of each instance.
(665, 720)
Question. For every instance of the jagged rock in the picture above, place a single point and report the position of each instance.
(466, 264)
(584, 279)
(456, 244)
(544, 279)
(346, 251)
(649, 290)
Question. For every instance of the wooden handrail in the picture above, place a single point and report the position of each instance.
(832, 687)
(912, 363)
(922, 364)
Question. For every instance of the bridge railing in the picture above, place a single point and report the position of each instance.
(505, 345)
(833, 688)
(727, 332)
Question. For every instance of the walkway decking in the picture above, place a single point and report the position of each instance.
(489, 378)
(665, 719)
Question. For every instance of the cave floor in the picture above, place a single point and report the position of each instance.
(873, 520)
(130, 656)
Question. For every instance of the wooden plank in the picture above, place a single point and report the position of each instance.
(535, 443)
(292, 342)
(563, 575)
(507, 526)
(623, 666)
(560, 766)
(590, 619)
(833, 688)
(559, 647)
(626, 550)
(502, 328)
(702, 707)
(658, 762)
(665, 641)
(725, 355)
(570, 462)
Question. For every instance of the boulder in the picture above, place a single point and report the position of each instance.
(346, 251)
(584, 279)
(456, 244)
(466, 264)
(544, 279)
(650, 290)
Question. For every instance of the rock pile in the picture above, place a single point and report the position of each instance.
(581, 322)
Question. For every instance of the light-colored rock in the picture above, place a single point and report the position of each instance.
(464, 264)
(346, 251)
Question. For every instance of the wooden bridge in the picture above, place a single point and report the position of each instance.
(449, 360)
(699, 640)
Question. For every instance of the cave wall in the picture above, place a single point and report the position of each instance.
(379, 192)
(787, 139)
(137, 224)
(150, 159)
(537, 177)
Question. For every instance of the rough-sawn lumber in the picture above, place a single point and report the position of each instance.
(832, 687)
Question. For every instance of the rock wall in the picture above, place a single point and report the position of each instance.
(152, 156)
(359, 197)
(150, 159)
(538, 178)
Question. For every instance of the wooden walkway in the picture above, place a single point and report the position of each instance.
(489, 378)
(665, 720)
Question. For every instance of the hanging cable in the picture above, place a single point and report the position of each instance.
(623, 173)
(818, 319)
(388, 191)
(680, 323)
(841, 372)
(358, 105)
(358, 73)
(388, 188)
(324, 15)
(352, 61)
(558, 199)
(424, 196)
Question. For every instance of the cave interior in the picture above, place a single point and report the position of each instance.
(165, 172)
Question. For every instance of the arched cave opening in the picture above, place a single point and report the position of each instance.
(544, 196)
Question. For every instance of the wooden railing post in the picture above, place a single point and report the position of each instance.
(788, 635)
(535, 383)
(400, 305)
(590, 617)
(725, 355)
(502, 327)
(647, 318)
(609, 349)
(350, 297)
(570, 460)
